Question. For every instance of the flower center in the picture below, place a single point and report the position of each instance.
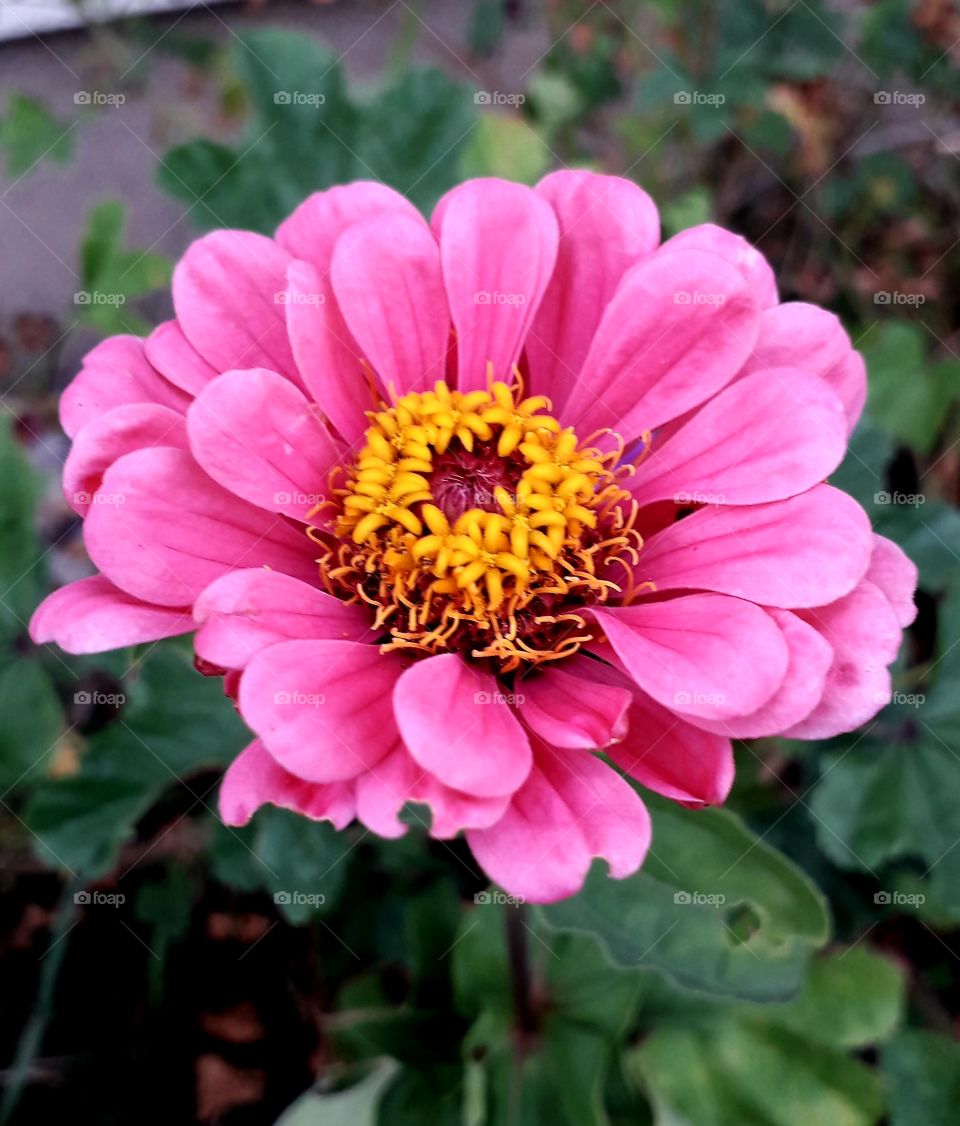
(474, 522)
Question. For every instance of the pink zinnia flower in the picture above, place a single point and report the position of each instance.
(379, 466)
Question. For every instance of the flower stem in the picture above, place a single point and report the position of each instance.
(521, 980)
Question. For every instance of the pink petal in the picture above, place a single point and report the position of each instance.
(498, 245)
(471, 741)
(734, 249)
(677, 330)
(255, 778)
(763, 438)
(802, 688)
(896, 575)
(322, 708)
(703, 655)
(114, 373)
(672, 757)
(327, 355)
(389, 287)
(383, 792)
(229, 291)
(863, 631)
(102, 440)
(176, 358)
(797, 335)
(607, 225)
(93, 616)
(311, 232)
(568, 707)
(805, 551)
(246, 611)
(572, 808)
(173, 530)
(256, 435)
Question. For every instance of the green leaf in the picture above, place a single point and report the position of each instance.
(307, 134)
(355, 1106)
(507, 147)
(110, 275)
(744, 1069)
(32, 723)
(714, 1062)
(922, 1073)
(908, 398)
(715, 907)
(885, 803)
(29, 133)
(175, 724)
(20, 556)
(849, 1000)
(689, 209)
(304, 862)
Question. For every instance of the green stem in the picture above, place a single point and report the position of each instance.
(31, 1038)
